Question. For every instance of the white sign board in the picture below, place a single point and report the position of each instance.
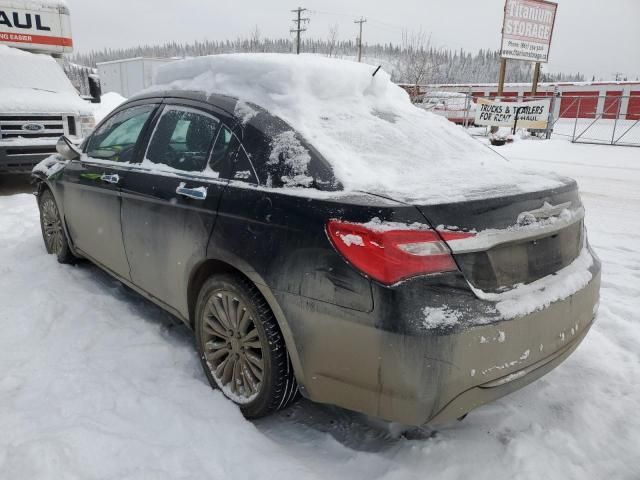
(46, 29)
(527, 29)
(534, 114)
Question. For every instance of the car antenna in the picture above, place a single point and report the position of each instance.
(377, 70)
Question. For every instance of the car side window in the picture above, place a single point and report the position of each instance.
(115, 140)
(224, 145)
(243, 169)
(183, 139)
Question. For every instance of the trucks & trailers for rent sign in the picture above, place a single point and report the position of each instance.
(532, 114)
(527, 29)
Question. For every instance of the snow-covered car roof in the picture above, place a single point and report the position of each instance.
(365, 126)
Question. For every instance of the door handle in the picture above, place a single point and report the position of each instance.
(199, 193)
(114, 178)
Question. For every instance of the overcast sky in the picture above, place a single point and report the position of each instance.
(591, 36)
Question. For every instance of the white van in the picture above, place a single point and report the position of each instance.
(38, 103)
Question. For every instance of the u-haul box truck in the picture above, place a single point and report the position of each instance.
(38, 26)
(38, 103)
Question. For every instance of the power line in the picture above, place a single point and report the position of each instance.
(380, 23)
(299, 21)
(361, 21)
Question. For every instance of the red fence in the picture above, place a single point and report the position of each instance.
(608, 100)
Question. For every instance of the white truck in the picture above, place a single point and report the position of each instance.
(129, 76)
(38, 103)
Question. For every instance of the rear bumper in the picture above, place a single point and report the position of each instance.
(16, 158)
(487, 392)
(413, 376)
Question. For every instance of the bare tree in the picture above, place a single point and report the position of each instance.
(416, 65)
(332, 40)
(255, 39)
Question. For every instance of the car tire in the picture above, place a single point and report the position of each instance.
(52, 226)
(241, 347)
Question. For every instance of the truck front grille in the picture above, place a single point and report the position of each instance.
(34, 126)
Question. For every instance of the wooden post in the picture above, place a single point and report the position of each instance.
(501, 75)
(361, 21)
(503, 72)
(536, 79)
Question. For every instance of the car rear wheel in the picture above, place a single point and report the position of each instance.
(53, 234)
(241, 347)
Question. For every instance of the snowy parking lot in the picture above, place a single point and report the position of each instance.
(96, 382)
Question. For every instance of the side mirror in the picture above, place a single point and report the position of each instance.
(67, 149)
(95, 89)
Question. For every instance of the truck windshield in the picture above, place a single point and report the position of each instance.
(30, 71)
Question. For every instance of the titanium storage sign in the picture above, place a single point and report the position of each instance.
(527, 29)
(533, 114)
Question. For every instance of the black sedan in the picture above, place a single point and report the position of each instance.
(347, 297)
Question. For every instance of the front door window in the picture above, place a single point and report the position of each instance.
(115, 140)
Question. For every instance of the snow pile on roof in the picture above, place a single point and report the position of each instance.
(34, 83)
(451, 100)
(365, 126)
(22, 69)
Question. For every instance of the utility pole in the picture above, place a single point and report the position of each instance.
(299, 21)
(361, 21)
(536, 80)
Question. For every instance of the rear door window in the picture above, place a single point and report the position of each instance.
(183, 139)
(222, 148)
(243, 169)
(115, 140)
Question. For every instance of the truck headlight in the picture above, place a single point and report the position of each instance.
(87, 124)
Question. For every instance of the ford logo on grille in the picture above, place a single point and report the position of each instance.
(33, 127)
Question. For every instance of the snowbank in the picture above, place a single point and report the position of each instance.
(96, 382)
(365, 126)
(108, 103)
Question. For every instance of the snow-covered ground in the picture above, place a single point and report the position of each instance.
(97, 383)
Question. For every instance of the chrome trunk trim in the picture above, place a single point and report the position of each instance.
(488, 239)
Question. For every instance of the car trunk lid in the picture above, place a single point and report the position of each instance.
(518, 239)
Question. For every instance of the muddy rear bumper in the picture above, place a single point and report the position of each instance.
(412, 376)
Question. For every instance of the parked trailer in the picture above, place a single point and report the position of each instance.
(130, 76)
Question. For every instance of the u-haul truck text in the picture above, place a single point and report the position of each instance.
(47, 30)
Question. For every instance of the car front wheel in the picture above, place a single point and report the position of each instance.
(241, 347)
(53, 234)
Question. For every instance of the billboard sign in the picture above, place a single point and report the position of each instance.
(533, 114)
(43, 29)
(527, 29)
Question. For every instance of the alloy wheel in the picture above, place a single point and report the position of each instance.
(232, 346)
(52, 226)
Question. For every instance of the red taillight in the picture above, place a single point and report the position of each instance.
(390, 255)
